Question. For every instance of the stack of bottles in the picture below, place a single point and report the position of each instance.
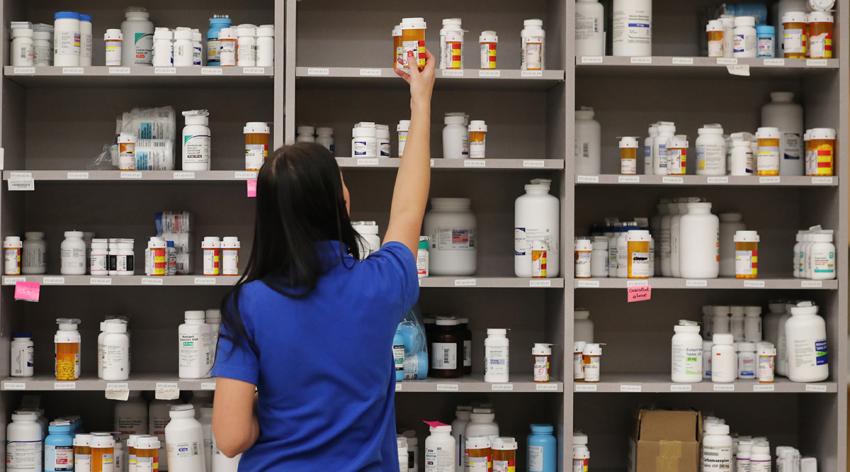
(323, 135)
(623, 249)
(463, 138)
(32, 44)
(176, 226)
(631, 22)
(581, 452)
(370, 140)
(146, 138)
(721, 450)
(814, 254)
(410, 348)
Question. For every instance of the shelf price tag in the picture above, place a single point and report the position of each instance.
(117, 391)
(167, 391)
(628, 179)
(585, 387)
(540, 283)
(505, 387)
(681, 388)
(718, 180)
(546, 387)
(64, 385)
(727, 61)
(683, 61)
(816, 63)
(399, 387)
(14, 386)
(367, 162)
(628, 388)
(444, 387)
(207, 385)
(244, 175)
(475, 163)
(816, 388)
(724, 387)
(533, 164)
(764, 388)
(27, 291)
(466, 282)
(370, 72)
(183, 175)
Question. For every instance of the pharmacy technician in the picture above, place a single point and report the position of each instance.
(306, 381)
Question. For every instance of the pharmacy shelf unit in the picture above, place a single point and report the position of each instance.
(675, 84)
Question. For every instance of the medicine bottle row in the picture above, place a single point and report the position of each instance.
(802, 35)
(323, 135)
(473, 439)
(722, 451)
(631, 22)
(409, 37)
(68, 43)
(450, 346)
(34, 446)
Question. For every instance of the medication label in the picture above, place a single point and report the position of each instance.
(27, 291)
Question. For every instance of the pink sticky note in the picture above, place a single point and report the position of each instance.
(252, 188)
(639, 293)
(27, 291)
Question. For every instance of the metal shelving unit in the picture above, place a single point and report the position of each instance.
(331, 70)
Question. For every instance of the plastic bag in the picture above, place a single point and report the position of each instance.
(411, 331)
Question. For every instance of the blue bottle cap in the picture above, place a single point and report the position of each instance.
(84, 17)
(542, 428)
(66, 15)
(169, 243)
(22, 334)
(765, 29)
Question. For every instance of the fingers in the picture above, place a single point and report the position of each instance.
(401, 73)
(413, 65)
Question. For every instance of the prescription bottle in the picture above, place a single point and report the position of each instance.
(256, 144)
(67, 341)
(767, 161)
(126, 152)
(413, 40)
(578, 360)
(488, 42)
(453, 58)
(102, 452)
(821, 25)
(766, 363)
(820, 152)
(211, 247)
(584, 252)
(677, 155)
(746, 254)
(397, 49)
(628, 155)
(542, 356)
(147, 454)
(12, 250)
(592, 362)
(230, 255)
(156, 261)
(714, 31)
(447, 349)
(82, 452)
(638, 254)
(533, 45)
(477, 139)
(478, 455)
(795, 40)
(504, 454)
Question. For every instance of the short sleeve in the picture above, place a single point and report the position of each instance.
(234, 357)
(394, 261)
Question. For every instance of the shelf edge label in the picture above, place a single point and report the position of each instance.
(167, 391)
(14, 386)
(64, 385)
(641, 60)
(475, 163)
(530, 74)
(724, 387)
(764, 388)
(370, 72)
(23, 70)
(587, 179)
(448, 387)
(540, 283)
(683, 61)
(546, 387)
(717, 180)
(754, 283)
(151, 281)
(502, 387)
(533, 164)
(775, 62)
(165, 70)
(696, 283)
(466, 282)
(489, 73)
(628, 179)
(591, 59)
(207, 385)
(630, 388)
(681, 388)
(211, 71)
(131, 175)
(585, 387)
(117, 391)
(811, 284)
(205, 281)
(672, 179)
(100, 281)
(770, 179)
(587, 284)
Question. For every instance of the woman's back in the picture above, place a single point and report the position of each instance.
(325, 372)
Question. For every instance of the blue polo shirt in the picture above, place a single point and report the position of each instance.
(324, 371)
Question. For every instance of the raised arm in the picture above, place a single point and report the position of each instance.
(410, 196)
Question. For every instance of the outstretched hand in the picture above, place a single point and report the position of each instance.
(421, 82)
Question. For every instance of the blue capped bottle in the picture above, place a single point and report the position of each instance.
(542, 449)
(59, 447)
(217, 22)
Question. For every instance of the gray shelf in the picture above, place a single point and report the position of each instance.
(466, 164)
(701, 66)
(489, 282)
(137, 75)
(368, 76)
(764, 283)
(151, 382)
(660, 383)
(704, 180)
(128, 176)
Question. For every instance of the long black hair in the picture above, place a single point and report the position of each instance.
(300, 202)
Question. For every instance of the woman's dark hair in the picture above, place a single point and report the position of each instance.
(300, 202)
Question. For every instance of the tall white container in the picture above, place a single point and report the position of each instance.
(455, 136)
(440, 450)
(724, 359)
(184, 440)
(686, 353)
(137, 30)
(194, 346)
(590, 28)
(807, 352)
(698, 243)
(113, 347)
(632, 28)
(536, 218)
(24, 443)
(452, 227)
(729, 224)
(588, 147)
(717, 448)
(675, 237)
(786, 115)
(496, 356)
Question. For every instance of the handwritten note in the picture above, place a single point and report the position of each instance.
(638, 293)
(27, 291)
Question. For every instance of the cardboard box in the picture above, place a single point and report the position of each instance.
(668, 441)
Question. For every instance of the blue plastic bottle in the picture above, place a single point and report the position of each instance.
(59, 447)
(542, 448)
(217, 22)
(398, 356)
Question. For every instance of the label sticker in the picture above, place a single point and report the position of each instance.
(165, 70)
(724, 387)
(587, 179)
(21, 185)
(816, 388)
(72, 71)
(591, 59)
(727, 61)
(811, 284)
(540, 283)
(13, 280)
(100, 281)
(443, 387)
(585, 387)
(587, 284)
(754, 283)
(770, 179)
(681, 388)
(117, 391)
(774, 62)
(683, 61)
(718, 180)
(764, 387)
(244, 175)
(53, 280)
(641, 60)
(546, 387)
(251, 188)
(253, 70)
(741, 70)
(77, 176)
(631, 388)
(506, 387)
(531, 74)
(131, 175)
(489, 74)
(207, 385)
(64, 385)
(638, 293)
(151, 281)
(672, 179)
(167, 391)
(822, 180)
(370, 72)
(466, 282)
(452, 73)
(119, 71)
(14, 386)
(475, 163)
(211, 71)
(27, 291)
(23, 70)
(399, 387)
(816, 62)
(628, 179)
(183, 175)
(533, 163)
(367, 162)
(204, 280)
(696, 283)
(318, 71)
